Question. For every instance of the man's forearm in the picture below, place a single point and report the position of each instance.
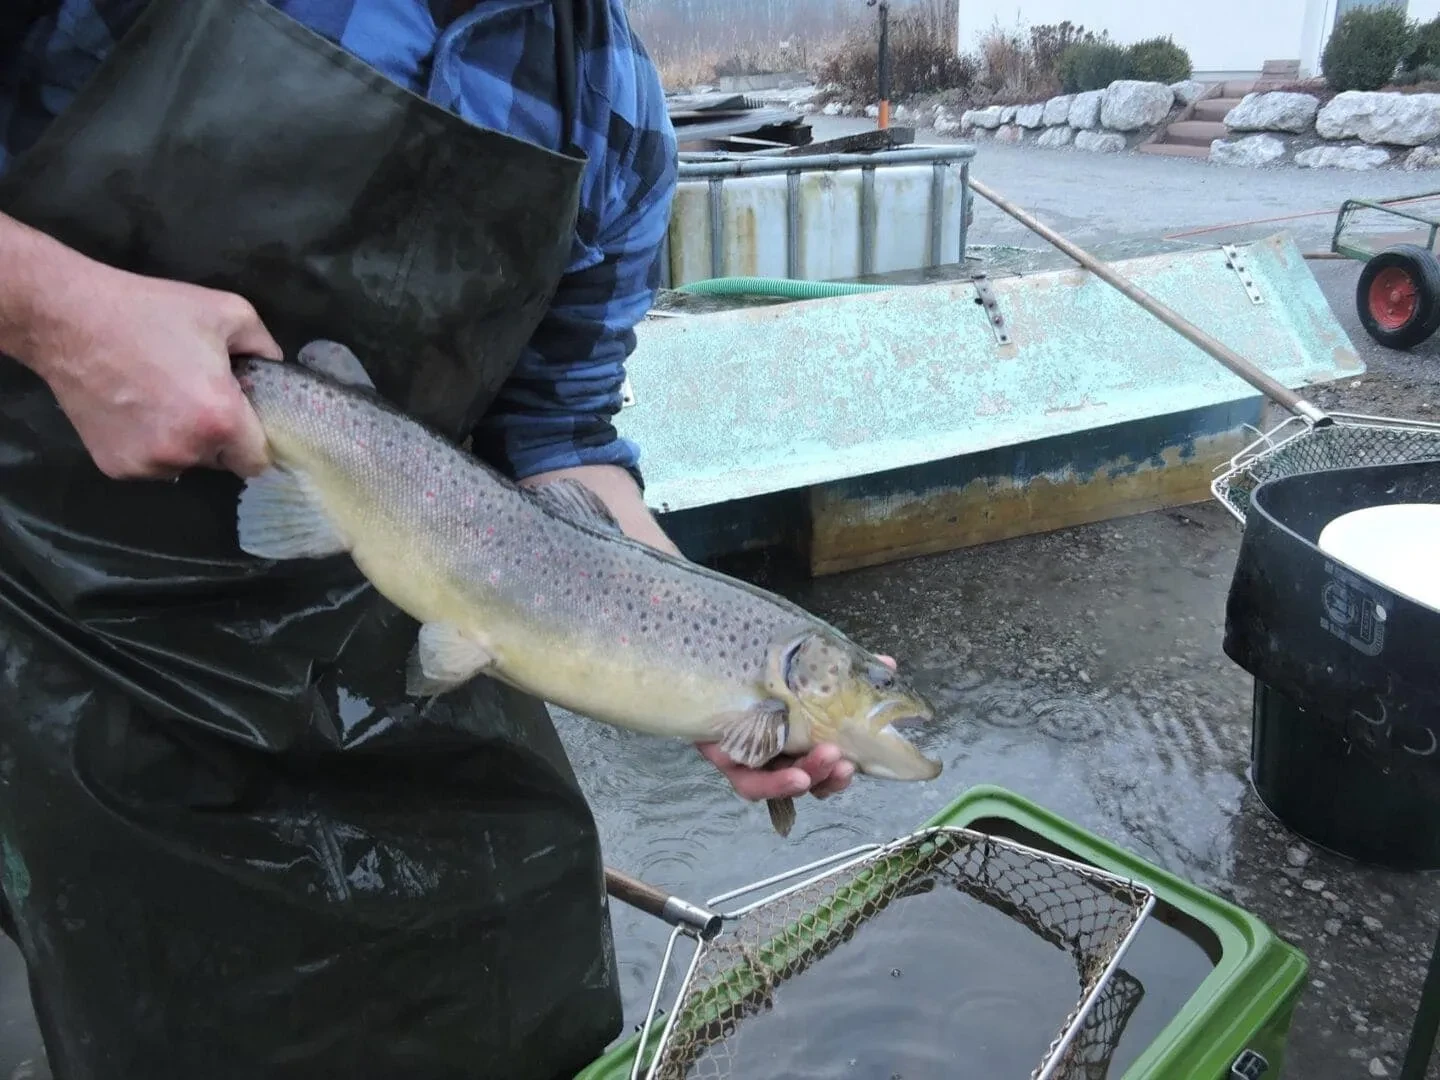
(617, 488)
(37, 273)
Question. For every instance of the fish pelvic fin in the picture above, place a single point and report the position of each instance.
(444, 657)
(753, 737)
(573, 500)
(336, 361)
(280, 516)
(782, 814)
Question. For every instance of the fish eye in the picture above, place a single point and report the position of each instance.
(880, 676)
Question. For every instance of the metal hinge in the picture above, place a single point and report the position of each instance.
(1250, 1065)
(985, 297)
(1236, 261)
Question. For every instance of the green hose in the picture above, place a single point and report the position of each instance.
(789, 288)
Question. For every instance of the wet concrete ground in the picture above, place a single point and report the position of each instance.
(1082, 669)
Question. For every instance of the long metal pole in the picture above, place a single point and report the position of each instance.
(1227, 356)
(1427, 1022)
(883, 64)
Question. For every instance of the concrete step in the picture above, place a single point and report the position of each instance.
(1238, 88)
(1195, 132)
(1176, 150)
(1215, 109)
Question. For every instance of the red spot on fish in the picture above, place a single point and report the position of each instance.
(494, 577)
(430, 494)
(655, 600)
(489, 530)
(583, 573)
(624, 640)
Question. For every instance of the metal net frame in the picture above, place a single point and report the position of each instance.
(1298, 445)
(1091, 914)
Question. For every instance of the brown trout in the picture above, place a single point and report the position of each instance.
(539, 589)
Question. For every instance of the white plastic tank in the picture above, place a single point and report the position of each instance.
(755, 223)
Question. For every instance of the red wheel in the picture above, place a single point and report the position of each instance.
(1394, 298)
(1398, 296)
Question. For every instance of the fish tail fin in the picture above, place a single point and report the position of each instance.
(782, 814)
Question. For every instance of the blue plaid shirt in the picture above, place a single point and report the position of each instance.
(494, 66)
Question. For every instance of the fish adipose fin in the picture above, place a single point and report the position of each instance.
(335, 360)
(280, 516)
(573, 500)
(443, 658)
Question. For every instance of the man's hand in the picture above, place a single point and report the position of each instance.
(140, 365)
(822, 772)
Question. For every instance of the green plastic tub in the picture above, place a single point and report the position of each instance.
(1235, 1024)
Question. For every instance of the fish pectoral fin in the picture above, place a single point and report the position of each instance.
(753, 737)
(443, 658)
(280, 516)
(336, 361)
(573, 500)
(782, 814)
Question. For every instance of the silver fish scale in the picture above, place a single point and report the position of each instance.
(486, 531)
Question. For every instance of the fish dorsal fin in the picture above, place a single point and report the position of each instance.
(573, 500)
(334, 360)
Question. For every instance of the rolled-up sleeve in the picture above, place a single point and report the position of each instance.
(557, 409)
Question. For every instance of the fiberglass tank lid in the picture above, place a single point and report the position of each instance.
(1396, 545)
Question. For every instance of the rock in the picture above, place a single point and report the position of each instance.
(1372, 924)
(1098, 143)
(1129, 105)
(1377, 1068)
(902, 114)
(1297, 856)
(1252, 151)
(1009, 133)
(1057, 110)
(1376, 117)
(1423, 157)
(1358, 158)
(1085, 109)
(1313, 885)
(872, 111)
(946, 124)
(1188, 91)
(1007, 113)
(1054, 138)
(1030, 116)
(1276, 111)
(982, 118)
(833, 108)
(1332, 927)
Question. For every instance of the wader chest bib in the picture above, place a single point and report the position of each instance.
(232, 847)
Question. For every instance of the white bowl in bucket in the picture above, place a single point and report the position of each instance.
(1396, 545)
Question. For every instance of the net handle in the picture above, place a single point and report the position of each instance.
(662, 905)
(1283, 395)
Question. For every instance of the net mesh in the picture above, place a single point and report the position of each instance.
(1342, 445)
(1085, 914)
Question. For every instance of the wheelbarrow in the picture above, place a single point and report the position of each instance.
(1398, 294)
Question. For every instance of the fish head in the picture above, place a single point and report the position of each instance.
(838, 693)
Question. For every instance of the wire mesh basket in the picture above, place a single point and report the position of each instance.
(733, 975)
(1343, 441)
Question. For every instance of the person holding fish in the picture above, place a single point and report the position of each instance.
(250, 826)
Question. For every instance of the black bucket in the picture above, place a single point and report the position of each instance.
(1346, 719)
